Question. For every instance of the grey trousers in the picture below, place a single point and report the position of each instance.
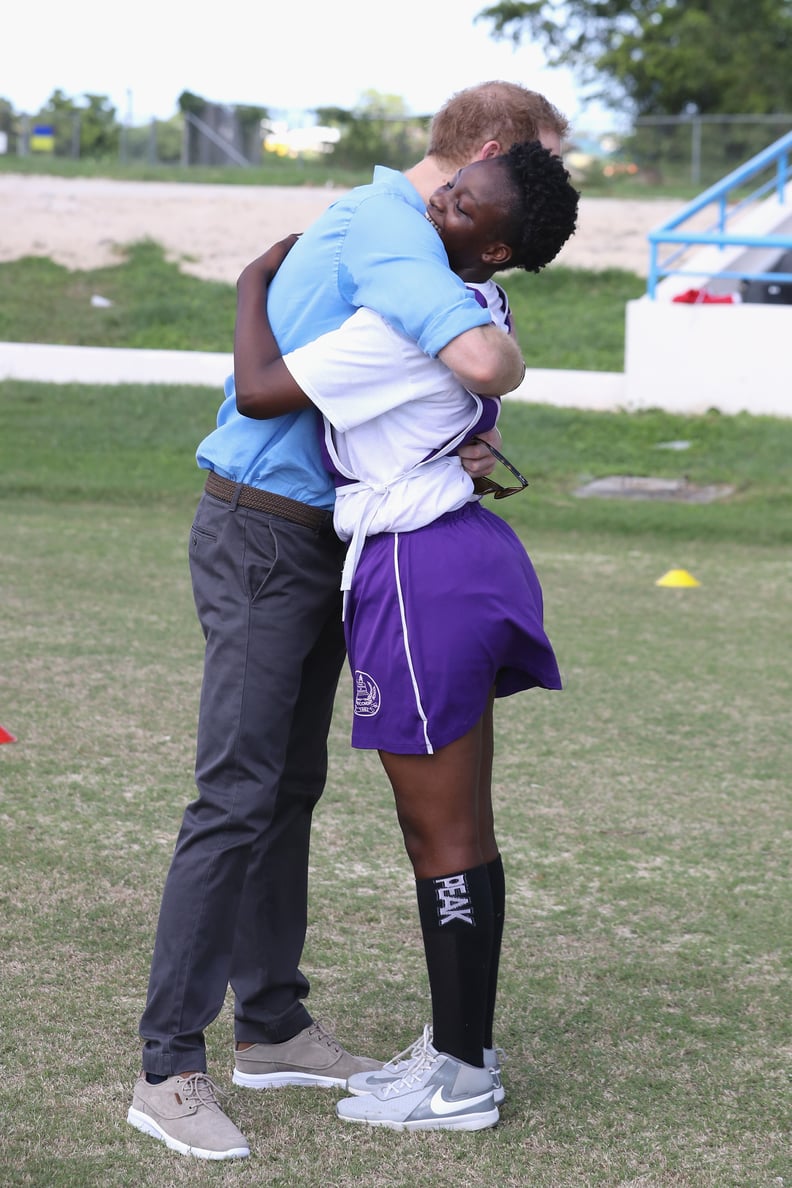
(234, 907)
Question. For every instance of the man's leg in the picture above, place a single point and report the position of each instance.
(262, 588)
(277, 1041)
(273, 916)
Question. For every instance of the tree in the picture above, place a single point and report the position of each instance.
(157, 142)
(61, 114)
(377, 131)
(190, 103)
(8, 123)
(663, 57)
(87, 129)
(99, 129)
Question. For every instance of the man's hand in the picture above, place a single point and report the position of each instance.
(476, 458)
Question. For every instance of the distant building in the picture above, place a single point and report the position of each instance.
(295, 142)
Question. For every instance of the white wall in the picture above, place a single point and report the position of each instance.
(689, 358)
(107, 365)
(681, 358)
(735, 358)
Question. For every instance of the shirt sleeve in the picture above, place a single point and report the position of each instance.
(393, 261)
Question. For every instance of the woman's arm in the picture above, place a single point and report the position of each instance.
(264, 387)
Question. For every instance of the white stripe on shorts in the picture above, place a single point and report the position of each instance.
(406, 638)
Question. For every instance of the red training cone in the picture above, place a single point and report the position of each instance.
(5, 736)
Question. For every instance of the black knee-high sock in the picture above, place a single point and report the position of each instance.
(497, 881)
(456, 921)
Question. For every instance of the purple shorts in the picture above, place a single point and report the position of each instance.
(436, 618)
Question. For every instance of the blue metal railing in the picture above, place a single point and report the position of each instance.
(775, 158)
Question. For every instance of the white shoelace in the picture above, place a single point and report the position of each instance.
(403, 1059)
(416, 1070)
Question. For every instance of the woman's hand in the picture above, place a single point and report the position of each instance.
(264, 267)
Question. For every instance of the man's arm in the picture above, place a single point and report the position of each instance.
(393, 261)
(485, 360)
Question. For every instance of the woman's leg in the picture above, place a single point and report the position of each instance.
(492, 858)
(439, 808)
(486, 826)
(437, 803)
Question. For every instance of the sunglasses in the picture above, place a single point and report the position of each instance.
(488, 486)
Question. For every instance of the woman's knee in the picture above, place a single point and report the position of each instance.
(438, 852)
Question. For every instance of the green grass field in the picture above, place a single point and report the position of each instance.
(156, 306)
(643, 813)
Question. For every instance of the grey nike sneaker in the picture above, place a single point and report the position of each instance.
(183, 1113)
(369, 1082)
(312, 1057)
(437, 1092)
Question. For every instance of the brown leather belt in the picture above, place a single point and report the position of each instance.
(266, 501)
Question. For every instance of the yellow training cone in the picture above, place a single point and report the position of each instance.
(677, 577)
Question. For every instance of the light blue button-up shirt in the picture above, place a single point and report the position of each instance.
(373, 247)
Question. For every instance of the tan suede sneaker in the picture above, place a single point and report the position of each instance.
(183, 1113)
(312, 1057)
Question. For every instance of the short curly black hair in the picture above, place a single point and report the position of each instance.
(543, 205)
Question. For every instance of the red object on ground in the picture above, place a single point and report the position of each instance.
(702, 297)
(5, 736)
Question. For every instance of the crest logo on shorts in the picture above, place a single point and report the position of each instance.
(367, 695)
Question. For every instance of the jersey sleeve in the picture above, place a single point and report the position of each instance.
(358, 372)
(393, 261)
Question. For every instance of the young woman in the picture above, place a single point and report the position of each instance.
(443, 608)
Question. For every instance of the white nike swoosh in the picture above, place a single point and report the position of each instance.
(440, 1105)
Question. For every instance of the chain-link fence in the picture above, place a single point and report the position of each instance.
(699, 150)
(664, 150)
(70, 136)
(223, 135)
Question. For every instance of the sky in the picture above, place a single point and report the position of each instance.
(287, 57)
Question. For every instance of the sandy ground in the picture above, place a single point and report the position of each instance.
(215, 230)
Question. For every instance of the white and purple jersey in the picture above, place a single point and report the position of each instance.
(392, 418)
(442, 601)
